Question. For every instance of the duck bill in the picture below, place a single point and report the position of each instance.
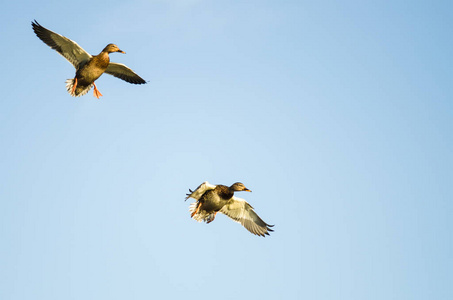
(247, 190)
(121, 51)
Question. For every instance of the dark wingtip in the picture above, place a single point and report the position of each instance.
(35, 23)
(188, 195)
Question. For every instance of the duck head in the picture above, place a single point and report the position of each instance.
(112, 48)
(239, 187)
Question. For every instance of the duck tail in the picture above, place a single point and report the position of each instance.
(200, 215)
(78, 91)
(194, 212)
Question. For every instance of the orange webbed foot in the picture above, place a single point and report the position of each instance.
(96, 92)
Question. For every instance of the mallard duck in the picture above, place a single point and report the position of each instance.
(88, 68)
(212, 199)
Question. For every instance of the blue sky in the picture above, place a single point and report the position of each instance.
(336, 114)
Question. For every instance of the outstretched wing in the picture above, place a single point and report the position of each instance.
(242, 212)
(64, 46)
(201, 189)
(123, 72)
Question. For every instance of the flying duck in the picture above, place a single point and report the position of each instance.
(212, 199)
(88, 68)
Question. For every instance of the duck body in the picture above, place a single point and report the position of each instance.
(88, 68)
(92, 70)
(86, 76)
(88, 72)
(213, 199)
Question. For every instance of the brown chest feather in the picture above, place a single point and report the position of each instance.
(101, 61)
(94, 68)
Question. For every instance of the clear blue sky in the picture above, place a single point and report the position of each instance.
(336, 114)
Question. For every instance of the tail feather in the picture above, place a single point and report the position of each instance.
(79, 91)
(201, 214)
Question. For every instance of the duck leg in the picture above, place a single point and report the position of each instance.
(196, 210)
(96, 92)
(211, 218)
(74, 86)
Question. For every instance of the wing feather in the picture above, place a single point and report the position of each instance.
(123, 72)
(64, 46)
(201, 189)
(242, 212)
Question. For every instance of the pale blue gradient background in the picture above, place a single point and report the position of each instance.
(337, 114)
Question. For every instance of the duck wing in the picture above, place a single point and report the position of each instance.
(242, 212)
(123, 72)
(64, 46)
(201, 189)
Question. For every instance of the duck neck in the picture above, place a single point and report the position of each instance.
(103, 59)
(225, 192)
(104, 54)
